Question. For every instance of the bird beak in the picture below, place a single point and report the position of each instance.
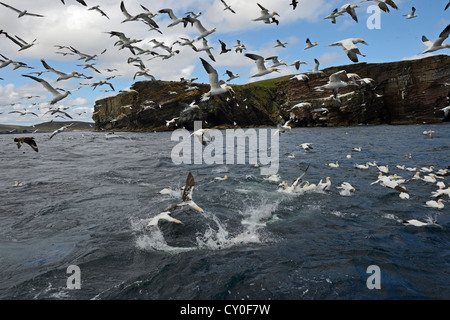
(198, 209)
(177, 221)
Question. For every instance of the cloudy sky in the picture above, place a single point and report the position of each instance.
(72, 24)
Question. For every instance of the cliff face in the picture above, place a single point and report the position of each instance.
(401, 92)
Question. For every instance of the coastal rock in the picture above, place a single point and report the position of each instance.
(403, 92)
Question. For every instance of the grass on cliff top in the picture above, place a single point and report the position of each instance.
(269, 83)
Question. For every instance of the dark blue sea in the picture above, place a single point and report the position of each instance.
(85, 200)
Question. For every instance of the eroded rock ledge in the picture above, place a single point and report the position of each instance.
(404, 92)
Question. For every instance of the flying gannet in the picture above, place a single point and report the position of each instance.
(350, 9)
(227, 7)
(57, 96)
(231, 75)
(175, 19)
(79, 1)
(332, 16)
(350, 48)
(335, 83)
(383, 4)
(437, 44)
(412, 14)
(310, 44)
(21, 12)
(63, 128)
(262, 70)
(215, 87)
(265, 15)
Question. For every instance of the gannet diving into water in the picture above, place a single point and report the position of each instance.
(187, 201)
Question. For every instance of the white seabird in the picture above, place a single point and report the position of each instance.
(227, 7)
(297, 64)
(283, 128)
(383, 4)
(187, 201)
(215, 87)
(300, 77)
(435, 204)
(334, 164)
(332, 16)
(207, 48)
(20, 42)
(412, 14)
(175, 19)
(437, 44)
(418, 223)
(346, 189)
(231, 75)
(21, 12)
(350, 48)
(57, 96)
(203, 31)
(59, 130)
(307, 146)
(265, 15)
(350, 9)
(165, 215)
(301, 105)
(202, 135)
(262, 70)
(280, 44)
(276, 62)
(62, 75)
(316, 68)
(335, 83)
(310, 44)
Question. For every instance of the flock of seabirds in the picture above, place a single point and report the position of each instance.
(299, 186)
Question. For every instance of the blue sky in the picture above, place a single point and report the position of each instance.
(74, 25)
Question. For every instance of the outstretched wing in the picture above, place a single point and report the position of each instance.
(212, 74)
(188, 188)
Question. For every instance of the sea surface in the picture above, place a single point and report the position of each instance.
(85, 200)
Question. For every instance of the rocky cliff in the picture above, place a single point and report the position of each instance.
(401, 92)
